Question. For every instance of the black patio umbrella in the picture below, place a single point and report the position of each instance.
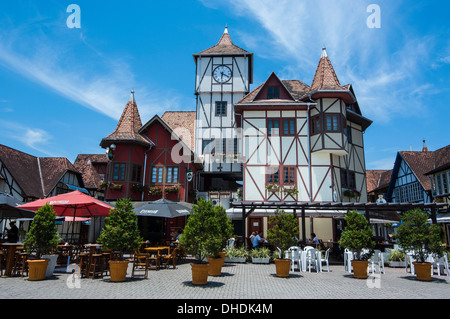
(9, 209)
(164, 208)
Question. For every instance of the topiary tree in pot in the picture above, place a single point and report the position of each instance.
(120, 234)
(205, 234)
(358, 236)
(44, 237)
(282, 233)
(418, 237)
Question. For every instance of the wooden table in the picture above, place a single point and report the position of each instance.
(157, 250)
(10, 256)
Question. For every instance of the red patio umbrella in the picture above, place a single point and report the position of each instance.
(73, 204)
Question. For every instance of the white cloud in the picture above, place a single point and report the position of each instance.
(35, 138)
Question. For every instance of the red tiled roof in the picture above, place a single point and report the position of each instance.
(85, 165)
(225, 45)
(27, 171)
(376, 179)
(422, 162)
(182, 119)
(325, 77)
(127, 128)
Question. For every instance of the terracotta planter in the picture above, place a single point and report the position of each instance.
(37, 269)
(199, 273)
(283, 267)
(423, 271)
(118, 270)
(360, 268)
(215, 268)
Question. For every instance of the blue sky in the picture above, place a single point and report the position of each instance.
(63, 89)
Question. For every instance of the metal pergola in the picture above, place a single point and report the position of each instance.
(371, 210)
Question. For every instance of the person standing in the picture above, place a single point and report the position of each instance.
(12, 233)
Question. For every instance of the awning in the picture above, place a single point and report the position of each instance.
(75, 188)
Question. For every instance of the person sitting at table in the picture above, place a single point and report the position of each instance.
(315, 240)
(12, 233)
(258, 240)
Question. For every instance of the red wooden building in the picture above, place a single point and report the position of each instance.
(151, 161)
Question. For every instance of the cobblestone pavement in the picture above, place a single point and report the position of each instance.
(238, 281)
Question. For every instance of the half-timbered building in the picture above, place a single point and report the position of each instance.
(223, 76)
(303, 143)
(151, 161)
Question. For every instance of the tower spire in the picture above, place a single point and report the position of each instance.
(132, 96)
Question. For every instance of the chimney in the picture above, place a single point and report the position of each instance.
(425, 148)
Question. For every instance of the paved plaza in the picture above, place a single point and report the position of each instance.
(238, 281)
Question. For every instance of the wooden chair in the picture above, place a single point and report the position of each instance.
(172, 257)
(154, 260)
(141, 261)
(82, 262)
(2, 260)
(20, 264)
(95, 266)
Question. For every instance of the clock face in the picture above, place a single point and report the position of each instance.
(222, 74)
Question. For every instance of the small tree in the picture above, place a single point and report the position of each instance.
(207, 230)
(43, 235)
(418, 236)
(283, 230)
(121, 231)
(357, 235)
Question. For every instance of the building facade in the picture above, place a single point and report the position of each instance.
(223, 76)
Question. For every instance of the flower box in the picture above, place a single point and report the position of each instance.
(260, 260)
(397, 264)
(235, 259)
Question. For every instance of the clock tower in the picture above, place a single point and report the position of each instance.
(223, 76)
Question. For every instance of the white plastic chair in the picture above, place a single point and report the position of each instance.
(438, 263)
(230, 243)
(311, 258)
(325, 260)
(409, 259)
(294, 255)
(377, 259)
(348, 257)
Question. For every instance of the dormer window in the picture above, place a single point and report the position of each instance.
(273, 92)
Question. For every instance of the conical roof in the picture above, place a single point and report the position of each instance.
(325, 77)
(225, 45)
(127, 129)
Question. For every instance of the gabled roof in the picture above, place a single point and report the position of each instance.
(377, 179)
(128, 127)
(36, 176)
(420, 164)
(182, 119)
(297, 92)
(85, 165)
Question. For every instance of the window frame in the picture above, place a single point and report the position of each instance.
(172, 169)
(222, 107)
(273, 92)
(290, 174)
(336, 117)
(316, 125)
(155, 178)
(121, 173)
(136, 173)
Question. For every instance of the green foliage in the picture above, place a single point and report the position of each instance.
(237, 252)
(43, 234)
(207, 230)
(263, 252)
(283, 230)
(396, 255)
(417, 235)
(357, 235)
(121, 231)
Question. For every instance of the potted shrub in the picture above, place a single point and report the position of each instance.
(120, 234)
(357, 236)
(44, 237)
(282, 233)
(396, 258)
(205, 235)
(261, 255)
(216, 253)
(236, 255)
(422, 239)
